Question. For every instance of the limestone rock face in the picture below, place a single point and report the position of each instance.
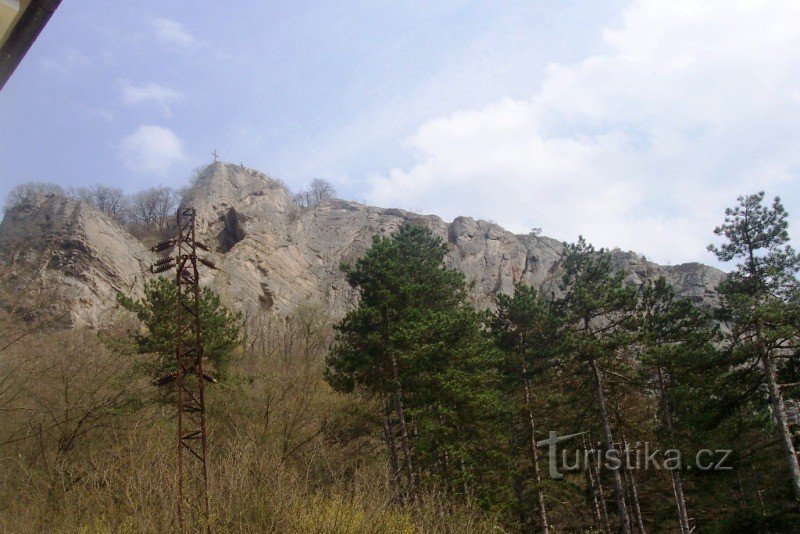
(84, 257)
(274, 255)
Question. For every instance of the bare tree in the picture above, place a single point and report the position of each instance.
(153, 208)
(23, 192)
(69, 387)
(302, 198)
(319, 192)
(110, 200)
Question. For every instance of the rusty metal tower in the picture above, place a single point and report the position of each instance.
(193, 499)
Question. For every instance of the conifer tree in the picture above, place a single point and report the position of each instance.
(597, 311)
(526, 329)
(157, 311)
(455, 403)
(759, 300)
(415, 342)
(677, 354)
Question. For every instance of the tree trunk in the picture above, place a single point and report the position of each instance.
(596, 490)
(630, 479)
(601, 492)
(522, 519)
(637, 511)
(758, 489)
(595, 499)
(635, 508)
(677, 481)
(537, 479)
(744, 504)
(781, 421)
(391, 444)
(619, 490)
(404, 441)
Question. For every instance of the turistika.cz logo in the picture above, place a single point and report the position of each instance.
(636, 456)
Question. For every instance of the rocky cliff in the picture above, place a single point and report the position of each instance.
(274, 255)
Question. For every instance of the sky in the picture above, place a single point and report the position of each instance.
(632, 123)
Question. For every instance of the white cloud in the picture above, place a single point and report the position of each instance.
(151, 149)
(132, 94)
(171, 32)
(68, 59)
(641, 147)
(152, 92)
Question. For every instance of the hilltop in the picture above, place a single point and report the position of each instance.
(274, 255)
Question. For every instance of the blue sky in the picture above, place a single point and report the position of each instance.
(633, 123)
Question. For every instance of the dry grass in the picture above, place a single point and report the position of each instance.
(86, 445)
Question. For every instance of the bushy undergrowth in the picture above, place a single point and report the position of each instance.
(88, 445)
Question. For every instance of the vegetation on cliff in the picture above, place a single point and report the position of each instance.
(417, 413)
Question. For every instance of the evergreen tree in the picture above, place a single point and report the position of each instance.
(220, 327)
(455, 405)
(597, 311)
(526, 329)
(415, 342)
(759, 300)
(678, 360)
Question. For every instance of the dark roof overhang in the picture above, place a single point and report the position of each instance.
(23, 35)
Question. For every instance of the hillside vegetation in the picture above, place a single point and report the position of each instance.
(418, 413)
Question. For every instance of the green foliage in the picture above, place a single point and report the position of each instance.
(525, 327)
(219, 326)
(474, 390)
(413, 313)
(455, 402)
(760, 297)
(760, 306)
(676, 347)
(677, 339)
(596, 307)
(757, 237)
(401, 283)
(386, 292)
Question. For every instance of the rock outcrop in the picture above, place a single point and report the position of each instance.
(81, 256)
(274, 255)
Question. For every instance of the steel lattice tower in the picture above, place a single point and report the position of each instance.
(193, 498)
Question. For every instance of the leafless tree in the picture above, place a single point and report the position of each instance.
(23, 192)
(301, 198)
(29, 304)
(110, 200)
(321, 191)
(318, 193)
(29, 308)
(153, 208)
(68, 388)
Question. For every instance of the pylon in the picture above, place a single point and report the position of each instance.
(193, 506)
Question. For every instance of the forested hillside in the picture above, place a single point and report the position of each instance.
(418, 411)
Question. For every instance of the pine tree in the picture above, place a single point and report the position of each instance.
(415, 342)
(759, 299)
(157, 311)
(456, 405)
(597, 311)
(677, 354)
(526, 329)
